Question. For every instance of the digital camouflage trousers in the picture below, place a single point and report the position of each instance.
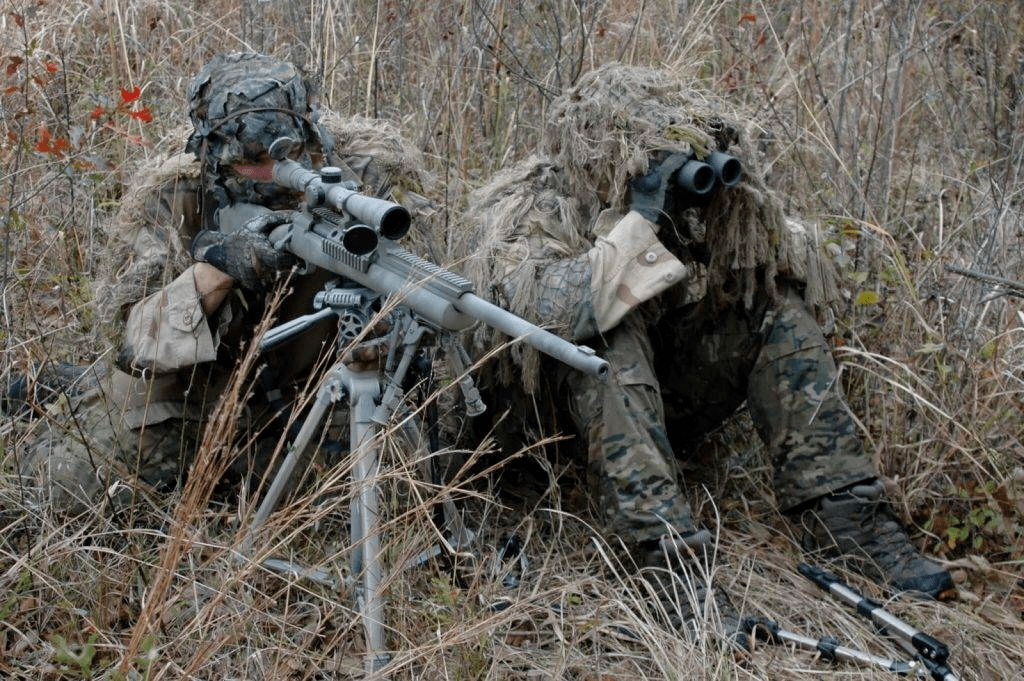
(675, 381)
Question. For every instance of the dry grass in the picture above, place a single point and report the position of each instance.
(899, 124)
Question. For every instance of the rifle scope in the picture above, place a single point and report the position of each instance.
(391, 220)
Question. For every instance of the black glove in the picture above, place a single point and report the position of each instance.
(651, 194)
(246, 255)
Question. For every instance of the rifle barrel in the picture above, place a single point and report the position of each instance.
(576, 356)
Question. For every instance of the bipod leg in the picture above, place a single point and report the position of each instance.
(331, 390)
(458, 536)
(929, 651)
(364, 391)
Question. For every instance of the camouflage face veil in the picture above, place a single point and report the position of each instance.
(239, 104)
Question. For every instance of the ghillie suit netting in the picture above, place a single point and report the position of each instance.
(601, 133)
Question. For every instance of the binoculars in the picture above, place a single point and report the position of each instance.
(699, 177)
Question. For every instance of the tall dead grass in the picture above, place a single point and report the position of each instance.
(896, 124)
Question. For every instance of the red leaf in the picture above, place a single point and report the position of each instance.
(52, 67)
(130, 95)
(11, 90)
(14, 64)
(97, 112)
(43, 145)
(143, 115)
(60, 144)
(752, 18)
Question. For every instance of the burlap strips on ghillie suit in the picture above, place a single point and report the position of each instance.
(601, 133)
(141, 258)
(526, 199)
(144, 255)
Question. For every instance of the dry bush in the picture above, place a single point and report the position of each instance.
(898, 125)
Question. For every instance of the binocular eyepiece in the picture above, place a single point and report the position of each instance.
(699, 177)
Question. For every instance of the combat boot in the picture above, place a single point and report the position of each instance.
(684, 596)
(44, 384)
(858, 525)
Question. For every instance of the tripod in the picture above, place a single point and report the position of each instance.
(375, 397)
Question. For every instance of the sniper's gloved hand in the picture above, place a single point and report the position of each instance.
(246, 255)
(265, 222)
(651, 194)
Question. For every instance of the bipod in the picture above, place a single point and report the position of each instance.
(374, 397)
(927, 650)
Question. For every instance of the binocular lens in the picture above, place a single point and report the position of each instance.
(727, 168)
(696, 177)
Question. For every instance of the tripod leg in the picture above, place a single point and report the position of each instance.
(364, 390)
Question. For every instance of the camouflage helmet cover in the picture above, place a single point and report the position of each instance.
(240, 103)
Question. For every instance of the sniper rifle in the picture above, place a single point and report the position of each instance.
(354, 236)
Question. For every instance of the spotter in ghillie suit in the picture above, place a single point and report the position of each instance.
(701, 303)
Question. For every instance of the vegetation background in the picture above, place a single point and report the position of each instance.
(899, 125)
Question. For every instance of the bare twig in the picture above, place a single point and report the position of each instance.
(1014, 288)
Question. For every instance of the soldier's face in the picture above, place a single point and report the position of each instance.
(258, 169)
(256, 164)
